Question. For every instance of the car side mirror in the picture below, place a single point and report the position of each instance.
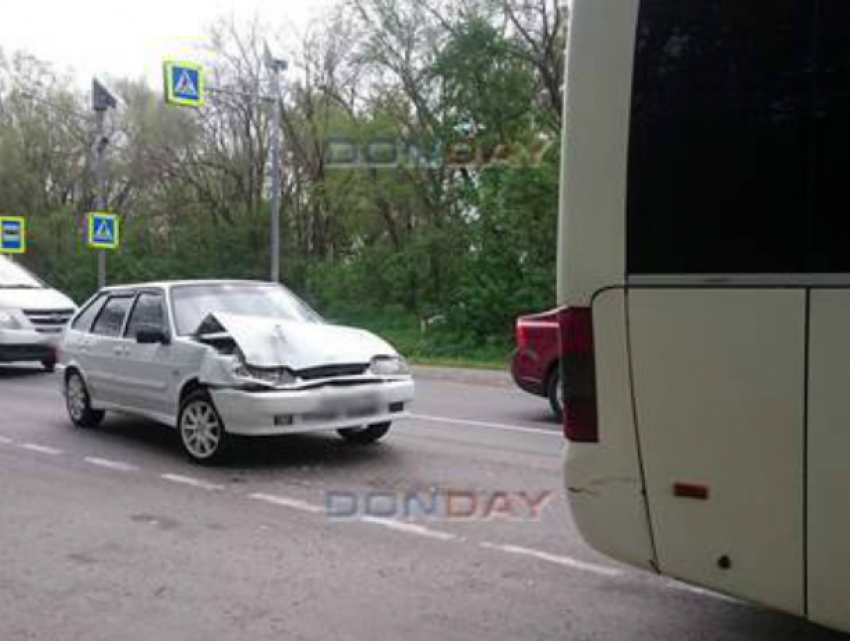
(152, 335)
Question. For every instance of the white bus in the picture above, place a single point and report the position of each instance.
(704, 279)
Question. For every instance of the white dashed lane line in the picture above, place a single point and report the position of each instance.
(565, 561)
(191, 481)
(409, 528)
(41, 449)
(283, 501)
(422, 418)
(5, 441)
(119, 466)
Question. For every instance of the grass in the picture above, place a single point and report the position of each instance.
(461, 363)
(437, 346)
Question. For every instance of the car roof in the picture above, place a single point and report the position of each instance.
(170, 284)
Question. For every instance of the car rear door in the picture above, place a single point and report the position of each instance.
(106, 374)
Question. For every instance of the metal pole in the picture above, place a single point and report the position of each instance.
(276, 168)
(100, 187)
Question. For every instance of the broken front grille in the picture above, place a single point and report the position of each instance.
(331, 371)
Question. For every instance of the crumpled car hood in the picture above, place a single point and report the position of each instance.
(274, 342)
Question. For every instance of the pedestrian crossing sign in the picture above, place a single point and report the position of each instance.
(104, 231)
(184, 84)
(13, 235)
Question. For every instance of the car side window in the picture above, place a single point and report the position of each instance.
(111, 319)
(148, 312)
(84, 319)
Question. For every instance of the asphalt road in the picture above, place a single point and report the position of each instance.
(110, 534)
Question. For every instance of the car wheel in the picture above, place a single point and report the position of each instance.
(555, 392)
(364, 435)
(49, 365)
(78, 402)
(202, 432)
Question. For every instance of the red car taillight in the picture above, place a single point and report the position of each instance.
(578, 374)
(521, 337)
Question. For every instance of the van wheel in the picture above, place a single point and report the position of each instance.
(201, 429)
(555, 392)
(78, 402)
(365, 435)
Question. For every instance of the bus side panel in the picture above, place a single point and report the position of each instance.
(592, 234)
(829, 458)
(719, 393)
(604, 483)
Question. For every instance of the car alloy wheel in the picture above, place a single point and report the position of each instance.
(202, 432)
(78, 402)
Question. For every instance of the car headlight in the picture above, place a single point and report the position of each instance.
(275, 376)
(389, 366)
(8, 320)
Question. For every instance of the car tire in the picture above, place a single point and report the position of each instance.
(49, 365)
(202, 433)
(555, 393)
(365, 435)
(78, 402)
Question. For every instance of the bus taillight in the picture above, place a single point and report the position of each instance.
(578, 374)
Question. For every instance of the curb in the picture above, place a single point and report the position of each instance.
(485, 378)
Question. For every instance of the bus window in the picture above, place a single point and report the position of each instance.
(718, 179)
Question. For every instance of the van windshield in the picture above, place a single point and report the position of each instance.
(13, 276)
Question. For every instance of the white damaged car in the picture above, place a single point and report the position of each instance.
(218, 358)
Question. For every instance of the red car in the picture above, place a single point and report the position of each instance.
(535, 367)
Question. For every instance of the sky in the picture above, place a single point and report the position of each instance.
(120, 39)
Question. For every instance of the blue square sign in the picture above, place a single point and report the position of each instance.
(184, 84)
(13, 235)
(104, 231)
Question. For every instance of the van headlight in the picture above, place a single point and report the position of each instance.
(8, 320)
(389, 366)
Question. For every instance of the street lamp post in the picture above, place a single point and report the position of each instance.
(101, 101)
(275, 65)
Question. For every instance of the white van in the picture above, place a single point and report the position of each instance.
(32, 316)
(704, 278)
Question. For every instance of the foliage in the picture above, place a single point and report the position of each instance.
(458, 104)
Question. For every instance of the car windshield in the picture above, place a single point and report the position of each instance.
(193, 303)
(13, 276)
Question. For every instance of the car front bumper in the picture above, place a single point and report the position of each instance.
(25, 345)
(311, 410)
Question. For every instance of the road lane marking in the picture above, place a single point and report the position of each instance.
(693, 589)
(492, 426)
(119, 466)
(409, 528)
(5, 441)
(565, 561)
(304, 506)
(283, 501)
(191, 481)
(41, 449)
